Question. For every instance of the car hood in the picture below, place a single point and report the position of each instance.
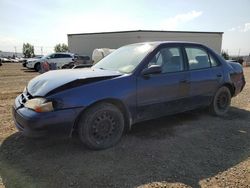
(59, 80)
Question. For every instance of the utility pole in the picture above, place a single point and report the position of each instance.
(15, 50)
(41, 50)
(239, 53)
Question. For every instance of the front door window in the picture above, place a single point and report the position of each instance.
(170, 59)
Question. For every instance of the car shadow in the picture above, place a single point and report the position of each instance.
(28, 70)
(185, 148)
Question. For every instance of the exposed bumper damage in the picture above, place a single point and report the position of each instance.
(34, 124)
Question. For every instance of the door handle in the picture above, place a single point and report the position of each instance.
(219, 75)
(184, 81)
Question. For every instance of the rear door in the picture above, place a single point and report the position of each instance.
(54, 58)
(60, 60)
(205, 75)
(166, 92)
(66, 59)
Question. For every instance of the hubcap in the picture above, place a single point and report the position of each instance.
(103, 127)
(222, 101)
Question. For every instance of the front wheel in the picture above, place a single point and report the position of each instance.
(37, 67)
(221, 102)
(101, 126)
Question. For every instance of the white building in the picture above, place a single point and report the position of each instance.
(85, 43)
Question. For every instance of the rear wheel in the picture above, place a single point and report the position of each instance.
(101, 126)
(37, 67)
(68, 66)
(221, 102)
(65, 67)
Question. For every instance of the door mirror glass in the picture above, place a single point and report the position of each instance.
(153, 69)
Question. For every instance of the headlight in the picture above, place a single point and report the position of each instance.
(30, 62)
(39, 105)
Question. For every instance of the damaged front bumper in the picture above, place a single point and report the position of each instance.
(35, 124)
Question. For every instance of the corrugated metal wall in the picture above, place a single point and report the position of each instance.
(84, 44)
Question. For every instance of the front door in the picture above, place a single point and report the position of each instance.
(166, 92)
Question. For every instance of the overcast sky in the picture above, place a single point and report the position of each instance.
(45, 23)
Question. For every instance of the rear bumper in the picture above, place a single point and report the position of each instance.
(34, 124)
(239, 85)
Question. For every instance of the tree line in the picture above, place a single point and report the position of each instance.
(28, 49)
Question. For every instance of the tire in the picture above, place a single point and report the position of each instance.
(101, 126)
(37, 67)
(221, 102)
(65, 67)
(68, 66)
(71, 65)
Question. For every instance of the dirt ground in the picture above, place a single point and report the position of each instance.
(192, 149)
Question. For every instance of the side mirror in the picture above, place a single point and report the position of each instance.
(153, 69)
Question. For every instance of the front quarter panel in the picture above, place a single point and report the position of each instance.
(122, 88)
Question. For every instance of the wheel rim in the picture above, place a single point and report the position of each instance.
(103, 127)
(222, 101)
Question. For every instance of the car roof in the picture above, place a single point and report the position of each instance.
(157, 43)
(63, 53)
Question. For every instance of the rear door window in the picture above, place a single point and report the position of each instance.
(57, 56)
(66, 56)
(52, 56)
(197, 58)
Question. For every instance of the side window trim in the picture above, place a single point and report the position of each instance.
(209, 58)
(217, 62)
(184, 58)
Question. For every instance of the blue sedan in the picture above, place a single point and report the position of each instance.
(135, 83)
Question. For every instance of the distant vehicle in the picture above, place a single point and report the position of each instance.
(21, 59)
(232, 60)
(60, 59)
(135, 83)
(31, 59)
(14, 60)
(79, 60)
(5, 60)
(240, 61)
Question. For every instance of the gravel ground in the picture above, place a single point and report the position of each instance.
(192, 149)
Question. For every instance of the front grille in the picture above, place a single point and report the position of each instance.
(25, 96)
